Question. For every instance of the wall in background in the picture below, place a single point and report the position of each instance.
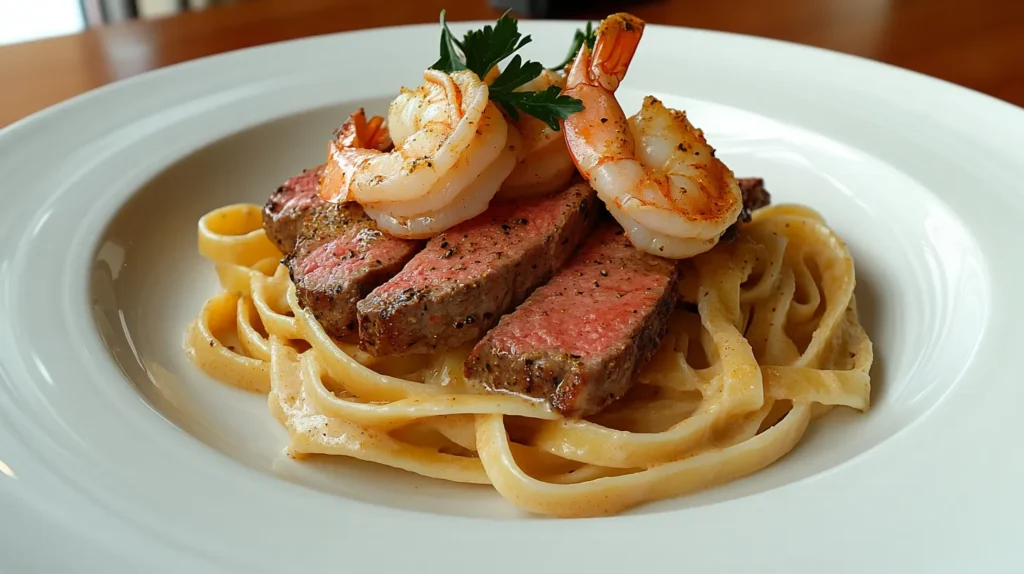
(22, 20)
(25, 20)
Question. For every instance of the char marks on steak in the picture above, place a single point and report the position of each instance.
(289, 205)
(296, 198)
(755, 196)
(339, 257)
(580, 340)
(458, 287)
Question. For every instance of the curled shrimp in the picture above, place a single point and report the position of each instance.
(358, 132)
(544, 165)
(452, 150)
(655, 172)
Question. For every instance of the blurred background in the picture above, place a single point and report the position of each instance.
(51, 50)
(22, 20)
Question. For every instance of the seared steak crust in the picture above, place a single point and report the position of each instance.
(755, 196)
(458, 287)
(288, 206)
(340, 256)
(580, 340)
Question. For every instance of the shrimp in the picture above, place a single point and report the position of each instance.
(544, 165)
(452, 150)
(655, 172)
(356, 132)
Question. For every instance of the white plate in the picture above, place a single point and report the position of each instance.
(117, 453)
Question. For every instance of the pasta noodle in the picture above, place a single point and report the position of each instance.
(774, 341)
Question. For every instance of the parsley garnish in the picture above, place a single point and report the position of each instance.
(515, 74)
(483, 49)
(548, 106)
(450, 60)
(588, 35)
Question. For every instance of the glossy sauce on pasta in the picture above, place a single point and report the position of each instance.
(771, 340)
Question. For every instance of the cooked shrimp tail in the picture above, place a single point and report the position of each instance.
(617, 39)
(601, 130)
(358, 132)
(655, 171)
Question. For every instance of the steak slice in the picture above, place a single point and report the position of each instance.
(580, 340)
(755, 196)
(458, 287)
(339, 257)
(288, 206)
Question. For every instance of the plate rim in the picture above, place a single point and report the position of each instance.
(23, 129)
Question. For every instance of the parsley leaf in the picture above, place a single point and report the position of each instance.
(515, 74)
(548, 106)
(588, 36)
(450, 60)
(485, 48)
(481, 50)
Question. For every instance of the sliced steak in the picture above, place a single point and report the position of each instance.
(580, 340)
(340, 256)
(458, 287)
(288, 205)
(755, 196)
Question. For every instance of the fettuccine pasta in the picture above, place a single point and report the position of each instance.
(766, 339)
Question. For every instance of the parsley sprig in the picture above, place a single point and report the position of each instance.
(587, 35)
(481, 50)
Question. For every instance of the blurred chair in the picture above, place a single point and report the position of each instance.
(99, 12)
(529, 8)
(564, 8)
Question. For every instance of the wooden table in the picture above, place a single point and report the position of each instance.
(978, 44)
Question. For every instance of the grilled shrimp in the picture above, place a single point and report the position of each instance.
(655, 172)
(452, 150)
(357, 132)
(544, 165)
